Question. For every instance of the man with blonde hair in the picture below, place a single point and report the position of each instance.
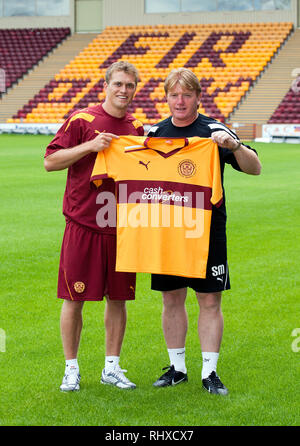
(87, 262)
(182, 89)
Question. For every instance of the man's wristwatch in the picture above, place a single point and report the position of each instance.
(237, 147)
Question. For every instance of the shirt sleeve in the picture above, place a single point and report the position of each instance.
(217, 190)
(100, 170)
(69, 135)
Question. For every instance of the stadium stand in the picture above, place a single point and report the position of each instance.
(22, 49)
(41, 74)
(288, 110)
(228, 58)
(272, 86)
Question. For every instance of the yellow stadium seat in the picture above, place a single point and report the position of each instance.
(241, 63)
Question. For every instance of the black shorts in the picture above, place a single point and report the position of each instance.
(217, 274)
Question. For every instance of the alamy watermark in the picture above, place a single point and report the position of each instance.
(296, 82)
(140, 209)
(296, 341)
(2, 340)
(2, 81)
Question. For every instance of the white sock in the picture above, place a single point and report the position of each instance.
(111, 362)
(72, 364)
(177, 358)
(209, 364)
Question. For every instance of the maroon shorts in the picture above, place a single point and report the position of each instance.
(87, 267)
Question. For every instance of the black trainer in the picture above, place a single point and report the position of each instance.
(213, 384)
(170, 378)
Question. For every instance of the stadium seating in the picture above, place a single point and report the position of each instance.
(21, 49)
(288, 110)
(227, 58)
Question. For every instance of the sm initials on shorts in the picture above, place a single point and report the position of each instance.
(218, 270)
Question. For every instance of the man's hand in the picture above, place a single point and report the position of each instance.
(223, 139)
(102, 141)
(246, 158)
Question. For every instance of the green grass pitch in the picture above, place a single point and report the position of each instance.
(259, 359)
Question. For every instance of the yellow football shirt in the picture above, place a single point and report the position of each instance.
(165, 190)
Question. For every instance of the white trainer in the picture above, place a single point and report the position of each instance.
(71, 381)
(117, 378)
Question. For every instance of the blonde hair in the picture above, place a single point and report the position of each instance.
(122, 65)
(185, 77)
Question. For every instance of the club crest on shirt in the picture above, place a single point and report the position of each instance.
(187, 168)
(79, 287)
